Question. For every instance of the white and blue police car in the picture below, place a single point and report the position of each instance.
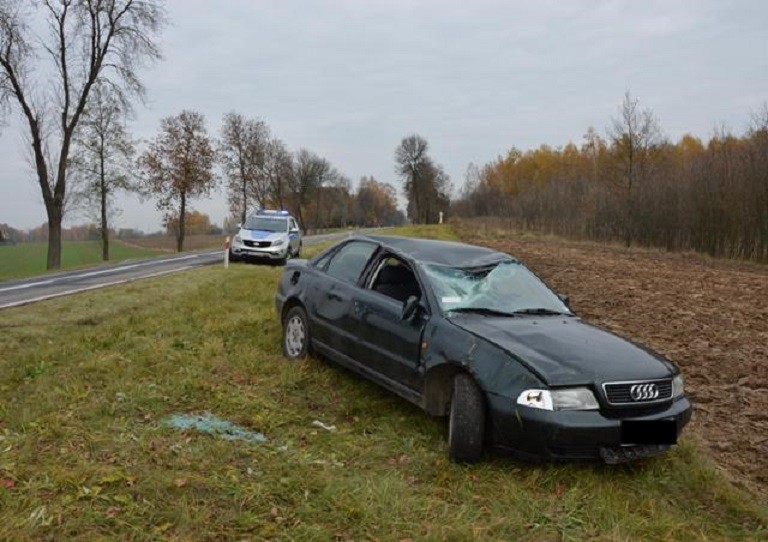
(267, 235)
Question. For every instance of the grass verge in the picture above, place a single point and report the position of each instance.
(28, 259)
(88, 380)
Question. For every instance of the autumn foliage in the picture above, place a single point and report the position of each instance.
(688, 195)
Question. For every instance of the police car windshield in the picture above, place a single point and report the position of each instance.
(266, 223)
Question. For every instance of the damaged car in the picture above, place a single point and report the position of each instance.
(470, 333)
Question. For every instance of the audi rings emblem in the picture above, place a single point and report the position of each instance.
(644, 392)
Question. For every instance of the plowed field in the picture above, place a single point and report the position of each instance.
(709, 316)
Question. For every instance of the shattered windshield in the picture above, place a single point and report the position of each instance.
(507, 287)
(266, 224)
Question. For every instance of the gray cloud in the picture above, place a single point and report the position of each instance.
(349, 79)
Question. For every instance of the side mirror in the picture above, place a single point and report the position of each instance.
(565, 299)
(294, 230)
(409, 307)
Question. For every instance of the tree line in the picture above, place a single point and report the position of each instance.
(73, 84)
(258, 172)
(636, 187)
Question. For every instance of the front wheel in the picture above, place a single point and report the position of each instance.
(466, 423)
(296, 334)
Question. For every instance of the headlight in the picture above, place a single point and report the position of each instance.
(677, 386)
(237, 239)
(278, 243)
(567, 399)
(535, 399)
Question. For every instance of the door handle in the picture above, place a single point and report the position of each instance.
(333, 297)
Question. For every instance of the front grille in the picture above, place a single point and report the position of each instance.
(620, 393)
(259, 244)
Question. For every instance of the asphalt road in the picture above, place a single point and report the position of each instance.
(23, 291)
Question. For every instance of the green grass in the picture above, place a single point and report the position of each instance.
(28, 259)
(86, 381)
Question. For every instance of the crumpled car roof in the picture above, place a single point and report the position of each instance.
(431, 251)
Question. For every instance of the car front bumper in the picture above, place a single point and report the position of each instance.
(573, 434)
(271, 253)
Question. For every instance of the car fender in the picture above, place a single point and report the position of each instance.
(447, 349)
(290, 289)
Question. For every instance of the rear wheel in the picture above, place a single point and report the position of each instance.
(296, 334)
(466, 422)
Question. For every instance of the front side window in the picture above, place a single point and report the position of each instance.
(263, 223)
(393, 278)
(507, 287)
(349, 261)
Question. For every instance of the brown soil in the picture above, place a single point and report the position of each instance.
(708, 316)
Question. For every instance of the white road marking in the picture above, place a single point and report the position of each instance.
(87, 274)
(309, 240)
(94, 287)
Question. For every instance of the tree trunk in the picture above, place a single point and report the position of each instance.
(55, 212)
(182, 216)
(245, 200)
(103, 194)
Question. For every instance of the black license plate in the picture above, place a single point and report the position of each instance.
(649, 432)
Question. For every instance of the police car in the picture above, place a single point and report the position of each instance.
(269, 235)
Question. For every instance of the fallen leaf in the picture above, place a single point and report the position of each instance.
(8, 483)
(180, 482)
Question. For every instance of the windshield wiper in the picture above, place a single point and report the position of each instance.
(482, 310)
(542, 311)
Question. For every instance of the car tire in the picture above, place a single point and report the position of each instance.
(297, 254)
(233, 258)
(296, 338)
(466, 421)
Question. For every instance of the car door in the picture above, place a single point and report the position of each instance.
(389, 344)
(331, 301)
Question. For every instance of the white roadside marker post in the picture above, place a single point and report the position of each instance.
(226, 253)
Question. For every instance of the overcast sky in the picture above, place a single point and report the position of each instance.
(350, 79)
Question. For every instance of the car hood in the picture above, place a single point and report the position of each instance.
(566, 351)
(261, 235)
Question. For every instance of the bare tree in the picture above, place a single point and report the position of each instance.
(102, 156)
(178, 166)
(309, 172)
(243, 150)
(86, 40)
(634, 135)
(426, 185)
(278, 170)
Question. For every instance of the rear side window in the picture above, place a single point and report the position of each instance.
(348, 263)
